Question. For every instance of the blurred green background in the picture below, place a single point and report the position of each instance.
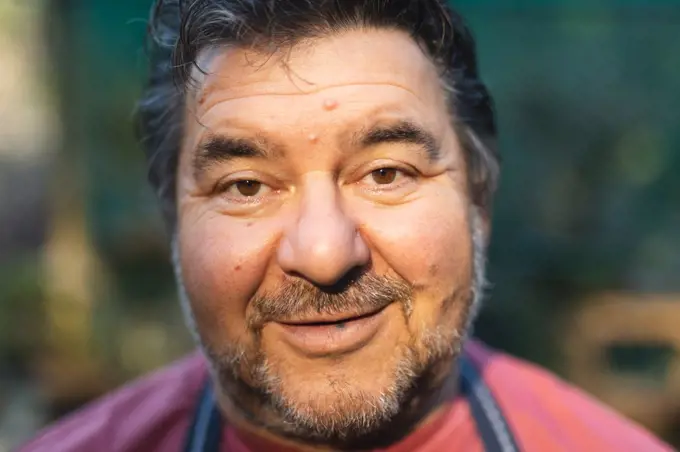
(585, 258)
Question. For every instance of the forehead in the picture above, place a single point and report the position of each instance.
(355, 58)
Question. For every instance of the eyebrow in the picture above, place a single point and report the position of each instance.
(222, 149)
(398, 132)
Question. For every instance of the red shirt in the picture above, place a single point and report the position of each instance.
(544, 413)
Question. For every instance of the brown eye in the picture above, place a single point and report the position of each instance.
(248, 188)
(384, 176)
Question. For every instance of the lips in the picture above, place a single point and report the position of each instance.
(320, 320)
(331, 335)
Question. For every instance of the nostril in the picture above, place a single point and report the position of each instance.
(323, 246)
(345, 281)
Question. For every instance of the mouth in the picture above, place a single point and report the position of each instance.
(331, 336)
(334, 320)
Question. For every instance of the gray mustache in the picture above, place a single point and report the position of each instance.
(298, 298)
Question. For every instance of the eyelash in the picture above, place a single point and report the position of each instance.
(406, 173)
(221, 188)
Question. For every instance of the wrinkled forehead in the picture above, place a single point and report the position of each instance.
(355, 57)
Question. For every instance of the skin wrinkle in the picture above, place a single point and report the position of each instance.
(265, 147)
(207, 80)
(307, 92)
(287, 249)
(199, 116)
(202, 79)
(200, 194)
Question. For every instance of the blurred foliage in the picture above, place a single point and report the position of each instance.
(20, 308)
(587, 97)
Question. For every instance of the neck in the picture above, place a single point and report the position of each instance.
(423, 408)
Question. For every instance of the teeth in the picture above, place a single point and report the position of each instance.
(340, 325)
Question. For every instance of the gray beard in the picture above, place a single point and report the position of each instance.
(364, 427)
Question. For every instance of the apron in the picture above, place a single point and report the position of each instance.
(206, 428)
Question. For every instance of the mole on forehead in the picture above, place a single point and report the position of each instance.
(330, 104)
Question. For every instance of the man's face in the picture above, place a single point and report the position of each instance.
(324, 241)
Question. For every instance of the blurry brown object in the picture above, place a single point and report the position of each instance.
(646, 323)
(68, 369)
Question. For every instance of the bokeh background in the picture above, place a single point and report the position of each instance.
(585, 258)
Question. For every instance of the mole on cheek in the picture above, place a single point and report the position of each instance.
(330, 104)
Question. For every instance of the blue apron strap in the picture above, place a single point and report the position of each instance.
(491, 424)
(206, 429)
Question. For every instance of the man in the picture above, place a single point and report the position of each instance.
(326, 169)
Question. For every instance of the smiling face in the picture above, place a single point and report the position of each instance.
(324, 243)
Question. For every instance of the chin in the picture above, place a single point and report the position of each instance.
(371, 396)
(332, 417)
(340, 406)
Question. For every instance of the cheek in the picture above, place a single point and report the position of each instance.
(427, 242)
(223, 264)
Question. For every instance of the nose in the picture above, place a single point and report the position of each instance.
(322, 244)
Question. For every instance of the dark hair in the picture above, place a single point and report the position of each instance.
(180, 29)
